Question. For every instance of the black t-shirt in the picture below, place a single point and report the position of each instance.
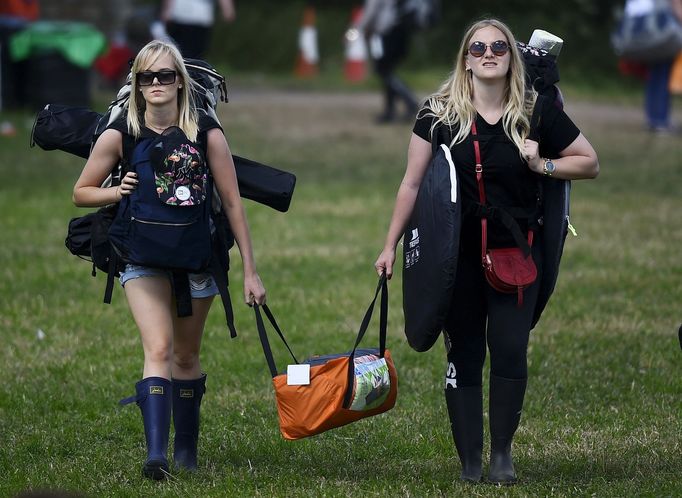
(509, 183)
(205, 123)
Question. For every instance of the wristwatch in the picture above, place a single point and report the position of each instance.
(549, 168)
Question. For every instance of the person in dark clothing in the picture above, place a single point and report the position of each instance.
(487, 89)
(381, 18)
(189, 23)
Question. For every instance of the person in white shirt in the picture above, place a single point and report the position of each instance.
(189, 23)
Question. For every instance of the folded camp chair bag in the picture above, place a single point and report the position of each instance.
(430, 250)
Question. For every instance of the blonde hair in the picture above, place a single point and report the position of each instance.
(452, 105)
(187, 116)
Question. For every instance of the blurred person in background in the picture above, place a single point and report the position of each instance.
(487, 95)
(189, 23)
(382, 18)
(657, 94)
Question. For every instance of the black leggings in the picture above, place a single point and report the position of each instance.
(474, 303)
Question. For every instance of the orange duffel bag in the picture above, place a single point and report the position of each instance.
(324, 392)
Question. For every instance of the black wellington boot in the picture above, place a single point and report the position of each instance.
(506, 402)
(465, 408)
(187, 396)
(154, 399)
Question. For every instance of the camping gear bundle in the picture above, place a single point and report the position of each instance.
(431, 236)
(170, 209)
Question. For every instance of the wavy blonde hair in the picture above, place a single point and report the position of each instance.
(187, 116)
(452, 104)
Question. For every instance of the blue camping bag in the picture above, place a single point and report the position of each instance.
(165, 221)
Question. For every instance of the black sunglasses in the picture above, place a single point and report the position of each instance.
(498, 48)
(165, 77)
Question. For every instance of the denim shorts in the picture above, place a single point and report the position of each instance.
(200, 284)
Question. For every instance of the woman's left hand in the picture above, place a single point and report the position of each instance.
(531, 153)
(254, 291)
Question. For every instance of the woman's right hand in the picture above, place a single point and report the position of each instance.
(384, 262)
(128, 184)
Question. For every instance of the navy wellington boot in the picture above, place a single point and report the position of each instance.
(154, 399)
(506, 402)
(465, 408)
(187, 396)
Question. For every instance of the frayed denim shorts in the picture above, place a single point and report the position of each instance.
(200, 284)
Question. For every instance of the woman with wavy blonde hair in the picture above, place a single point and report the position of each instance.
(486, 98)
(172, 378)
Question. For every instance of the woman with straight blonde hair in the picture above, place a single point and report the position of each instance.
(172, 378)
(486, 101)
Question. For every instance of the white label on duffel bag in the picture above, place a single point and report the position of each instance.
(298, 375)
(372, 382)
(453, 174)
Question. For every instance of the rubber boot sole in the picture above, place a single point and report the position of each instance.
(156, 470)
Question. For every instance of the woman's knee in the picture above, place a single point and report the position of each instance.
(186, 360)
(509, 365)
(158, 353)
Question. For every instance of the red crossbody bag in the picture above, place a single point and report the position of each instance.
(507, 269)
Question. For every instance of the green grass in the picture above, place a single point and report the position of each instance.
(602, 413)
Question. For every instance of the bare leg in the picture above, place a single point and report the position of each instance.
(150, 302)
(188, 332)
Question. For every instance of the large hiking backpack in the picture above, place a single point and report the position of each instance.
(173, 220)
(165, 221)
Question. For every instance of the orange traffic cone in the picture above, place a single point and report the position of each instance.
(308, 57)
(355, 69)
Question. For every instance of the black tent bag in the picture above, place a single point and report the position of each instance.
(554, 221)
(72, 129)
(430, 250)
(67, 128)
(554, 217)
(264, 184)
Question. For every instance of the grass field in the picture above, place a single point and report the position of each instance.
(602, 414)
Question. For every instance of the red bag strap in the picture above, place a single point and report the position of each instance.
(481, 194)
(481, 189)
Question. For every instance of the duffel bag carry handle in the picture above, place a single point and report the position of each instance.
(383, 321)
(383, 317)
(264, 337)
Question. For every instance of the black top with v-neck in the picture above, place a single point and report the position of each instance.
(509, 183)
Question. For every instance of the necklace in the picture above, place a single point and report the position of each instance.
(158, 129)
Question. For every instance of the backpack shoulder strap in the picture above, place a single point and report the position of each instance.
(219, 265)
(536, 118)
(124, 166)
(128, 146)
